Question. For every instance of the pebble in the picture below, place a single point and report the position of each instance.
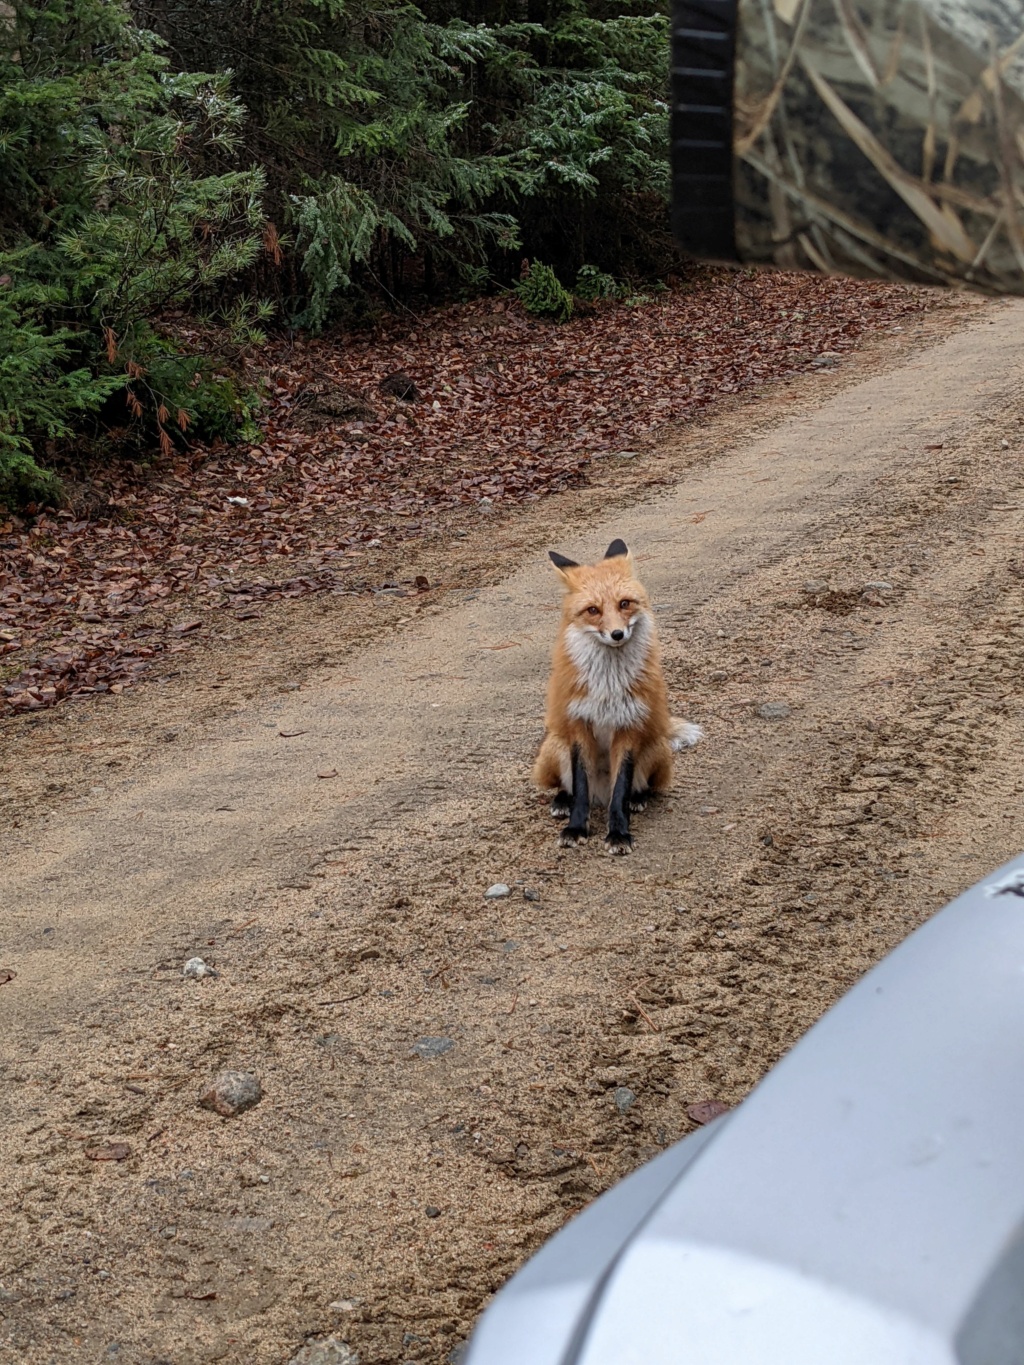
(529, 895)
(814, 586)
(231, 1093)
(773, 710)
(878, 587)
(624, 1098)
(344, 1305)
(195, 969)
(625, 455)
(432, 1047)
(496, 891)
(719, 675)
(432, 1211)
(326, 1351)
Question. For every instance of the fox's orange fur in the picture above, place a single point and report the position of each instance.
(607, 701)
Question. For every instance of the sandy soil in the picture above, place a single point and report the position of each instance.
(378, 1196)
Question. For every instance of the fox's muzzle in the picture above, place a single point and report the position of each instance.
(615, 638)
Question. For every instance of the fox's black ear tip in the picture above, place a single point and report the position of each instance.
(615, 549)
(560, 561)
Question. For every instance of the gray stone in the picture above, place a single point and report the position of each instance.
(877, 587)
(813, 586)
(432, 1047)
(624, 1098)
(530, 895)
(496, 891)
(719, 675)
(325, 1351)
(195, 969)
(231, 1093)
(432, 1211)
(773, 710)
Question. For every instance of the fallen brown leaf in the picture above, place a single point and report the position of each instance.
(113, 1151)
(706, 1110)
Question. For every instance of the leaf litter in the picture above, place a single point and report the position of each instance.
(498, 409)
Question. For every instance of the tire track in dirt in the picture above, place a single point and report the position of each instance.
(347, 923)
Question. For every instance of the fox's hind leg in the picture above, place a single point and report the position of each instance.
(553, 768)
(652, 775)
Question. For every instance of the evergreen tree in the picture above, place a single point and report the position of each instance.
(105, 224)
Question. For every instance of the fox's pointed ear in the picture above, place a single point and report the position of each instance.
(563, 567)
(616, 549)
(560, 561)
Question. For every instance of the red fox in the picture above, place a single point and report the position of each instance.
(608, 734)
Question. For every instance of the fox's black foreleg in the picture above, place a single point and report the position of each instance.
(578, 827)
(618, 838)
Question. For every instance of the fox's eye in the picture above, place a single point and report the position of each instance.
(593, 611)
(625, 604)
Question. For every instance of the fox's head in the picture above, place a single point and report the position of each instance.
(604, 601)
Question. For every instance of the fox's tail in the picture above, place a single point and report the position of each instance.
(683, 734)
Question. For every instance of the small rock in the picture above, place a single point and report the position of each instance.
(169, 1232)
(496, 891)
(624, 1098)
(195, 969)
(529, 895)
(374, 544)
(325, 1351)
(432, 1211)
(231, 1093)
(432, 1047)
(344, 1305)
(811, 898)
(877, 587)
(813, 586)
(773, 710)
(625, 455)
(719, 675)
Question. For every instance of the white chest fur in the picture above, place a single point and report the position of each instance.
(609, 676)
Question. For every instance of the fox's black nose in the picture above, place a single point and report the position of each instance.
(618, 634)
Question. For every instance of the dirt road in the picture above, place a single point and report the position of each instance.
(854, 564)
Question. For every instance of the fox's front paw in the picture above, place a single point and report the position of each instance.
(638, 801)
(573, 835)
(619, 844)
(561, 806)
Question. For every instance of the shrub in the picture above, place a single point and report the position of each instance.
(542, 293)
(592, 284)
